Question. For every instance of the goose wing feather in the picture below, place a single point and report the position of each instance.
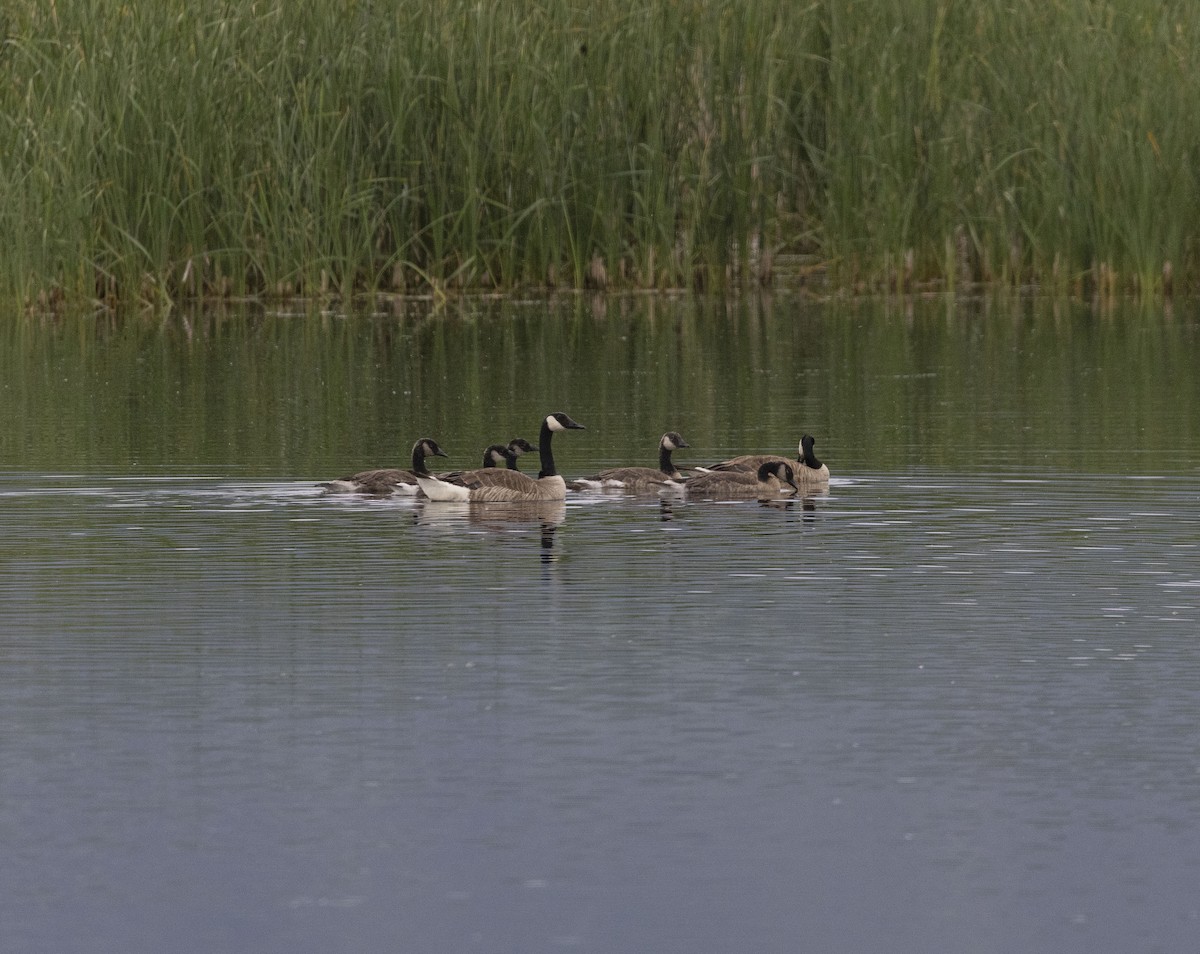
(385, 475)
(380, 481)
(734, 484)
(746, 462)
(628, 478)
(501, 486)
(489, 477)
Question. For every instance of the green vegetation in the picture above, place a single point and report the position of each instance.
(156, 150)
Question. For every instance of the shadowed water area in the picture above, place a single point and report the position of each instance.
(948, 704)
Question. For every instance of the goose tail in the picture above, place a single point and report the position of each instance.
(436, 489)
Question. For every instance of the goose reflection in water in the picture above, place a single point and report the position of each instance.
(807, 499)
(806, 503)
(497, 517)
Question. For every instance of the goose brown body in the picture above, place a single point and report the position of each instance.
(638, 479)
(388, 480)
(773, 478)
(806, 467)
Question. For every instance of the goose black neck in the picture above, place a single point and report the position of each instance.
(418, 460)
(548, 468)
(664, 460)
(809, 459)
(512, 461)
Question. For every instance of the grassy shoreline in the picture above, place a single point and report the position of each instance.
(152, 151)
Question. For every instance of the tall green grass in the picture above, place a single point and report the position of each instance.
(1022, 142)
(153, 150)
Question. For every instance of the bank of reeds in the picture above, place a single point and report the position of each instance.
(159, 150)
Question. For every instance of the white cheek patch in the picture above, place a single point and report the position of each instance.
(552, 423)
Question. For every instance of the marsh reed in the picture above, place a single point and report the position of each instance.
(157, 151)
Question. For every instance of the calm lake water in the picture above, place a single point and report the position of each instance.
(950, 705)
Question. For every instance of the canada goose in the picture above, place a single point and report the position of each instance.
(772, 478)
(808, 470)
(505, 455)
(635, 479)
(496, 484)
(388, 480)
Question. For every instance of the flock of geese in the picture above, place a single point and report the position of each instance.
(750, 476)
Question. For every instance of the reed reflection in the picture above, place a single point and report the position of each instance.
(882, 389)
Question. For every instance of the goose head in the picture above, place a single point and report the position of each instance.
(505, 455)
(558, 421)
(497, 455)
(425, 447)
(781, 471)
(672, 441)
(428, 447)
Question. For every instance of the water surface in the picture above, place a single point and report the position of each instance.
(949, 705)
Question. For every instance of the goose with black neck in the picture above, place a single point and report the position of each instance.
(494, 484)
(388, 480)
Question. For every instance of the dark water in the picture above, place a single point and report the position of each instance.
(948, 706)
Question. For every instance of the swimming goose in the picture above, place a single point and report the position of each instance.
(505, 455)
(638, 479)
(497, 484)
(808, 470)
(772, 478)
(388, 480)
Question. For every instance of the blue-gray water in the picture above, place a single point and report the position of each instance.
(943, 707)
(929, 712)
